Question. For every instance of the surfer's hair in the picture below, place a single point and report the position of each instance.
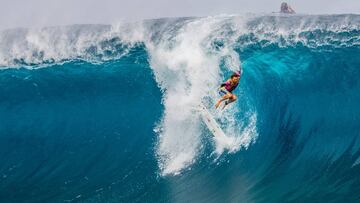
(236, 74)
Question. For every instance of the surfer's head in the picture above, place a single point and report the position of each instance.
(235, 76)
(237, 73)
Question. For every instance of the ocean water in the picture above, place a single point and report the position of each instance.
(105, 113)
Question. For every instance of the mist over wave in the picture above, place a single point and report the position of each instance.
(105, 113)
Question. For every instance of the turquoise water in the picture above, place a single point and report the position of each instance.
(104, 113)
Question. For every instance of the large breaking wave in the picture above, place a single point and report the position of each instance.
(105, 113)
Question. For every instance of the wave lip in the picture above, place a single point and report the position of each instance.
(29, 47)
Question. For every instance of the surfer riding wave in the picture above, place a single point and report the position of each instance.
(226, 89)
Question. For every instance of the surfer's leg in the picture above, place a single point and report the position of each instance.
(223, 98)
(232, 98)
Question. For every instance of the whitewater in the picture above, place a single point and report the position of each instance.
(105, 113)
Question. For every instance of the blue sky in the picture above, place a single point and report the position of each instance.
(35, 13)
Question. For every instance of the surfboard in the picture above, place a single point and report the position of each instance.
(210, 122)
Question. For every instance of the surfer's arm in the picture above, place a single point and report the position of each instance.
(225, 83)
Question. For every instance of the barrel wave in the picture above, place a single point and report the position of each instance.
(105, 113)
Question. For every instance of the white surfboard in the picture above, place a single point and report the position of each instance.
(210, 122)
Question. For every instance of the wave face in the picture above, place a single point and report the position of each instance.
(105, 113)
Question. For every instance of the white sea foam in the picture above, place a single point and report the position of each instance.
(187, 69)
(91, 42)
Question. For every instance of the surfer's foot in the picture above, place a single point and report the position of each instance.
(226, 103)
(217, 104)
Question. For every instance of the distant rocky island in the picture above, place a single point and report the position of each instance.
(285, 8)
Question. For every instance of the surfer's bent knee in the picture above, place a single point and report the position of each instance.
(228, 95)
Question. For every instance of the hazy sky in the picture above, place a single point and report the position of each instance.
(35, 13)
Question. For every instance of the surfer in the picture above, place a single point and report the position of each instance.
(226, 88)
